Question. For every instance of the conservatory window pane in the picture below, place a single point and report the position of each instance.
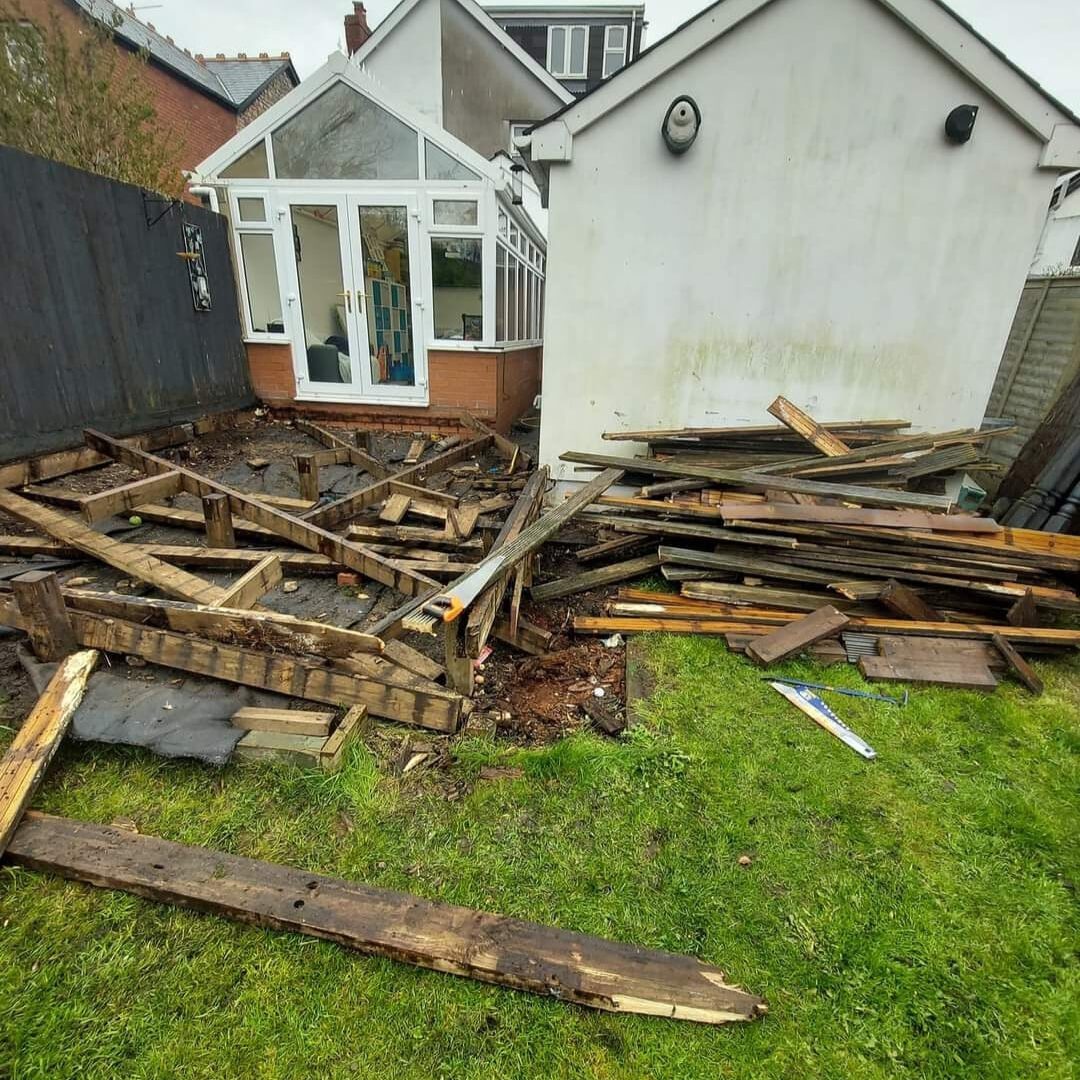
(440, 165)
(455, 212)
(343, 135)
(578, 37)
(500, 293)
(457, 276)
(251, 209)
(511, 295)
(260, 276)
(251, 165)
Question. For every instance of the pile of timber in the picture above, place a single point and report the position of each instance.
(763, 528)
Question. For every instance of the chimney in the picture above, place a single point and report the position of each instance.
(357, 30)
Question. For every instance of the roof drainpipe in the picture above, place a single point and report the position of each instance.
(201, 190)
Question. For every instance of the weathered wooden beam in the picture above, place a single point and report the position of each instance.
(1019, 666)
(307, 472)
(127, 496)
(37, 594)
(293, 676)
(796, 636)
(748, 479)
(394, 509)
(459, 665)
(850, 515)
(558, 964)
(805, 425)
(907, 603)
(218, 520)
(482, 615)
(35, 743)
(416, 450)
(350, 727)
(397, 487)
(290, 721)
(161, 575)
(297, 530)
(592, 579)
(249, 589)
(340, 511)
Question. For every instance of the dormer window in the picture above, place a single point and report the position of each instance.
(614, 49)
(568, 51)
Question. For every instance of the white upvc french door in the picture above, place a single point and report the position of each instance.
(384, 231)
(355, 308)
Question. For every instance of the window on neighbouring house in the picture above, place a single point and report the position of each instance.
(457, 276)
(343, 135)
(568, 51)
(614, 49)
(262, 295)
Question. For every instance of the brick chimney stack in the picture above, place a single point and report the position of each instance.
(357, 30)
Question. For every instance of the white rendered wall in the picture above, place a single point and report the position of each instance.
(409, 61)
(820, 240)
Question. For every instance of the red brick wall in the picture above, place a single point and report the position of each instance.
(495, 387)
(195, 123)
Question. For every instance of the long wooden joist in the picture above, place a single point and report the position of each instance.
(299, 531)
(747, 479)
(294, 676)
(169, 579)
(555, 963)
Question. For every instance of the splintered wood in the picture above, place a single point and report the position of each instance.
(572, 967)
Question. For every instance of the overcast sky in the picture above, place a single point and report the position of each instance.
(1042, 36)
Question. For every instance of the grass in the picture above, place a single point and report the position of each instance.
(915, 916)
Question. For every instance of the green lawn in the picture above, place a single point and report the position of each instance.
(912, 916)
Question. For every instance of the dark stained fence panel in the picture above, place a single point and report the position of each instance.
(97, 324)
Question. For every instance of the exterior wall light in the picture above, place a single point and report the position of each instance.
(960, 123)
(681, 124)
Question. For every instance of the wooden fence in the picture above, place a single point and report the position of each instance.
(98, 325)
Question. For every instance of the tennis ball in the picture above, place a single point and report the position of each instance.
(134, 520)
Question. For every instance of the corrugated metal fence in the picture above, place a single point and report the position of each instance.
(1041, 358)
(97, 322)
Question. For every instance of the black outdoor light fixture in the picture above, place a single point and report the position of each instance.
(681, 124)
(960, 123)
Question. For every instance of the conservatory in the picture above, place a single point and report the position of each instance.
(384, 268)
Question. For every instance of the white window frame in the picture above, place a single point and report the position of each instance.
(614, 50)
(265, 228)
(522, 126)
(432, 231)
(562, 70)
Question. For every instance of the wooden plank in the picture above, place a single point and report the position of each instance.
(217, 518)
(907, 603)
(659, 506)
(416, 450)
(35, 743)
(483, 613)
(348, 506)
(301, 750)
(963, 675)
(558, 964)
(161, 575)
(37, 594)
(621, 545)
(449, 604)
(460, 667)
(737, 563)
(249, 589)
(293, 676)
(291, 721)
(748, 431)
(297, 530)
(694, 530)
(411, 534)
(352, 725)
(235, 626)
(412, 660)
(429, 494)
(1019, 666)
(462, 520)
(746, 479)
(850, 515)
(394, 509)
(593, 579)
(78, 459)
(307, 476)
(755, 595)
(1024, 612)
(793, 638)
(527, 637)
(427, 508)
(806, 426)
(126, 497)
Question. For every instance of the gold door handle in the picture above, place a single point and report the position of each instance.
(348, 299)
